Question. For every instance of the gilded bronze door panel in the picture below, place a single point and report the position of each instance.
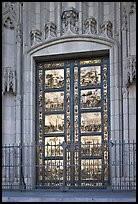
(73, 123)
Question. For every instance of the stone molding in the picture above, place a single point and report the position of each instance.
(80, 37)
(127, 9)
(9, 80)
(19, 33)
(130, 70)
(124, 20)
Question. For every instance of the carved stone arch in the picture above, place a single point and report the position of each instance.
(68, 46)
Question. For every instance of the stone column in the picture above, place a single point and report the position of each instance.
(124, 30)
(18, 99)
(59, 18)
(80, 18)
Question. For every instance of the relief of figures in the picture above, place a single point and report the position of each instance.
(53, 171)
(90, 76)
(91, 169)
(54, 78)
(90, 98)
(53, 146)
(91, 122)
(91, 150)
(54, 101)
(54, 123)
(91, 145)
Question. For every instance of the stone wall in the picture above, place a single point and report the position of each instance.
(33, 29)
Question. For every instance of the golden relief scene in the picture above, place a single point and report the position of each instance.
(90, 98)
(54, 101)
(91, 169)
(70, 154)
(53, 146)
(91, 122)
(91, 146)
(54, 78)
(53, 171)
(90, 76)
(54, 123)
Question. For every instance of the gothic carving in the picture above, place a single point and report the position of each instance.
(9, 80)
(18, 99)
(9, 14)
(18, 33)
(124, 19)
(69, 21)
(50, 30)
(131, 69)
(90, 25)
(132, 7)
(8, 22)
(106, 29)
(35, 37)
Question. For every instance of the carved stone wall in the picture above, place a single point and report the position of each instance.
(35, 24)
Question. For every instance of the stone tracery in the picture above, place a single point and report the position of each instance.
(9, 79)
(69, 21)
(9, 14)
(131, 69)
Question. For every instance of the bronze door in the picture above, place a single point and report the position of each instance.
(73, 123)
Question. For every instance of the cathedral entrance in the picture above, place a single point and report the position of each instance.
(73, 123)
